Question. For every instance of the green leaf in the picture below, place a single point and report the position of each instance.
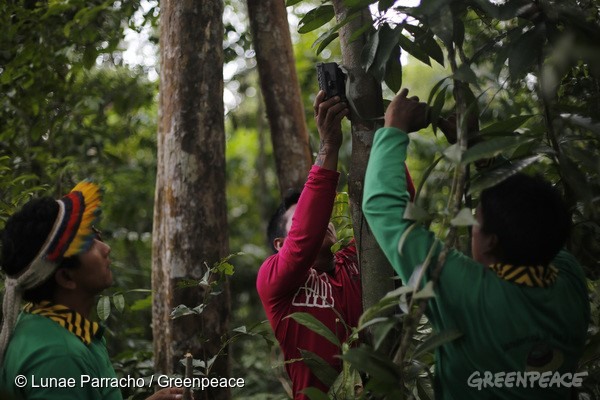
(316, 18)
(496, 175)
(315, 394)
(103, 308)
(583, 122)
(464, 218)
(314, 325)
(387, 42)
(393, 71)
(180, 311)
(384, 5)
(493, 147)
(368, 26)
(426, 293)
(289, 3)
(434, 90)
(435, 341)
(374, 363)
(369, 51)
(453, 153)
(465, 74)
(415, 213)
(119, 302)
(425, 40)
(505, 126)
(436, 110)
(525, 52)
(413, 49)
(319, 367)
(142, 304)
(325, 42)
(359, 3)
(405, 236)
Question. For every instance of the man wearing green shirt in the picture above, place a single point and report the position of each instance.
(54, 258)
(520, 302)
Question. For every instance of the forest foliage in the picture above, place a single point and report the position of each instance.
(71, 108)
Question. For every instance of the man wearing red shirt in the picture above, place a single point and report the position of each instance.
(304, 275)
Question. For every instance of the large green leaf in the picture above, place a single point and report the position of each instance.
(315, 325)
(413, 49)
(316, 18)
(426, 42)
(508, 125)
(496, 175)
(374, 363)
(525, 51)
(387, 42)
(493, 147)
(393, 71)
(319, 367)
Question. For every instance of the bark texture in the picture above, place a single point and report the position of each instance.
(367, 98)
(281, 91)
(190, 215)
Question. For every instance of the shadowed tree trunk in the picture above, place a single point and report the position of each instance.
(367, 98)
(190, 216)
(281, 91)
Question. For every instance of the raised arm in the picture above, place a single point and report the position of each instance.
(288, 269)
(386, 197)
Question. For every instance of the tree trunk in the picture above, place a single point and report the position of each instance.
(190, 215)
(281, 91)
(376, 271)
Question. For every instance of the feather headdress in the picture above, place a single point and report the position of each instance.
(71, 234)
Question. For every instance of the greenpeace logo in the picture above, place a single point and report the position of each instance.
(529, 379)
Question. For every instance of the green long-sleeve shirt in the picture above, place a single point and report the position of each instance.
(45, 361)
(504, 325)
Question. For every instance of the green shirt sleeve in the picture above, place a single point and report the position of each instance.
(384, 202)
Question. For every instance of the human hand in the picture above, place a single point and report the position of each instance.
(407, 114)
(167, 394)
(328, 115)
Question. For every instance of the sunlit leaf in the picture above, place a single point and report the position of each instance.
(103, 308)
(426, 293)
(464, 218)
(119, 302)
(453, 153)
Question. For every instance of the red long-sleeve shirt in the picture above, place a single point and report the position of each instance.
(287, 283)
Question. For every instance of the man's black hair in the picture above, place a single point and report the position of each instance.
(276, 227)
(528, 216)
(24, 235)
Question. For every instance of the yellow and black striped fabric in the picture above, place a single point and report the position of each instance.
(71, 320)
(532, 276)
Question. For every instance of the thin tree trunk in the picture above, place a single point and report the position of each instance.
(375, 268)
(281, 91)
(190, 216)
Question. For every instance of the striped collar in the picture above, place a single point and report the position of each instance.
(531, 276)
(72, 321)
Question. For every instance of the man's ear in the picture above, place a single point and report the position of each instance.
(63, 279)
(491, 246)
(278, 243)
